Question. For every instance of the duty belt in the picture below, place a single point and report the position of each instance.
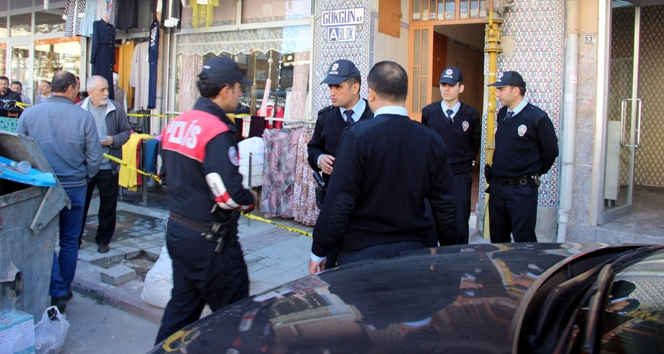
(212, 231)
(531, 179)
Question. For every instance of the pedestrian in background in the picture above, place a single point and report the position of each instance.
(526, 147)
(113, 129)
(45, 91)
(17, 87)
(461, 128)
(385, 168)
(67, 136)
(205, 194)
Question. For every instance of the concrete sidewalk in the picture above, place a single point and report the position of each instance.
(274, 255)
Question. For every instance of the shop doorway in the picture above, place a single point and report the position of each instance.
(634, 165)
(461, 46)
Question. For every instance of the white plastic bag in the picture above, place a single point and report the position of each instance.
(50, 333)
(159, 281)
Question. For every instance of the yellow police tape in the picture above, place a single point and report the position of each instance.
(23, 105)
(124, 164)
(291, 229)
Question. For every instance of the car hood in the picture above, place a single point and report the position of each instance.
(457, 299)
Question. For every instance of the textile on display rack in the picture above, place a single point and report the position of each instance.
(129, 178)
(81, 15)
(127, 14)
(305, 210)
(102, 55)
(140, 75)
(171, 14)
(279, 171)
(124, 70)
(203, 11)
(74, 12)
(153, 55)
(188, 93)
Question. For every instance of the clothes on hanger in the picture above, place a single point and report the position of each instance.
(140, 75)
(305, 210)
(171, 15)
(124, 70)
(73, 14)
(202, 12)
(102, 56)
(153, 55)
(127, 16)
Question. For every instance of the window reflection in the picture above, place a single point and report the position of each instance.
(56, 54)
(20, 25)
(3, 27)
(49, 21)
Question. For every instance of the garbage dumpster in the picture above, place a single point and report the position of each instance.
(28, 226)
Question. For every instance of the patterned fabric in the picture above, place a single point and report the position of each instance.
(291, 39)
(279, 172)
(305, 210)
(188, 93)
(74, 11)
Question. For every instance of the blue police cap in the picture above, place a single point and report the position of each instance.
(339, 71)
(451, 75)
(509, 78)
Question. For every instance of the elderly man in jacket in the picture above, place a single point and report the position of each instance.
(113, 128)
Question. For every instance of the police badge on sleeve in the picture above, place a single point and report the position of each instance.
(465, 125)
(522, 130)
(233, 156)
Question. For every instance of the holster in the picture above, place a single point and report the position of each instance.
(321, 189)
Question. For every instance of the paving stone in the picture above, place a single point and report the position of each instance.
(145, 245)
(129, 251)
(101, 259)
(117, 275)
(153, 253)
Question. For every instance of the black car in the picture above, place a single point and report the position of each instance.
(484, 298)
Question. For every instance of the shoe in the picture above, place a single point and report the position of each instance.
(103, 248)
(60, 303)
(70, 294)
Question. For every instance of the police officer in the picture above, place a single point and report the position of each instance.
(200, 157)
(460, 127)
(375, 202)
(347, 107)
(526, 147)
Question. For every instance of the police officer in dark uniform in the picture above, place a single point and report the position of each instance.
(460, 127)
(347, 107)
(375, 202)
(205, 194)
(526, 147)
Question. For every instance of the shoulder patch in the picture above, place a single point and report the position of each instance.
(233, 156)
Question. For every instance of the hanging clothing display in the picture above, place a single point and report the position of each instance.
(124, 70)
(305, 210)
(140, 75)
(87, 22)
(171, 15)
(102, 56)
(153, 55)
(127, 16)
(191, 66)
(279, 172)
(202, 12)
(73, 14)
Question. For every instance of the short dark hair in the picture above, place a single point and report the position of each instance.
(4, 78)
(389, 81)
(352, 80)
(209, 90)
(17, 83)
(62, 80)
(522, 90)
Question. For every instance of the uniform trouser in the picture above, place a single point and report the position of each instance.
(386, 249)
(200, 276)
(512, 210)
(108, 203)
(463, 184)
(64, 262)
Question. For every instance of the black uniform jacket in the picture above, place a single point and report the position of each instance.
(193, 158)
(386, 167)
(462, 136)
(329, 126)
(525, 143)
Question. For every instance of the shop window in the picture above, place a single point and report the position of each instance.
(254, 11)
(56, 54)
(3, 27)
(3, 58)
(49, 21)
(277, 60)
(223, 12)
(3, 5)
(21, 25)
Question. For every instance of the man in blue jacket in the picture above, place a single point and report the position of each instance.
(113, 128)
(68, 138)
(375, 202)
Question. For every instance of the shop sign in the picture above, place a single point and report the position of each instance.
(340, 25)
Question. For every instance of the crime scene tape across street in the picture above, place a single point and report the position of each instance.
(291, 229)
(124, 164)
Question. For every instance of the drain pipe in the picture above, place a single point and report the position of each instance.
(569, 118)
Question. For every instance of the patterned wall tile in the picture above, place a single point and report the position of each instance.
(538, 30)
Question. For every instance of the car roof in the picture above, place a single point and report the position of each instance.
(449, 299)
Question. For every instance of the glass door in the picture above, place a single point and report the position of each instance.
(624, 112)
(20, 64)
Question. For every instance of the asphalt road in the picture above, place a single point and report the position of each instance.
(98, 328)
